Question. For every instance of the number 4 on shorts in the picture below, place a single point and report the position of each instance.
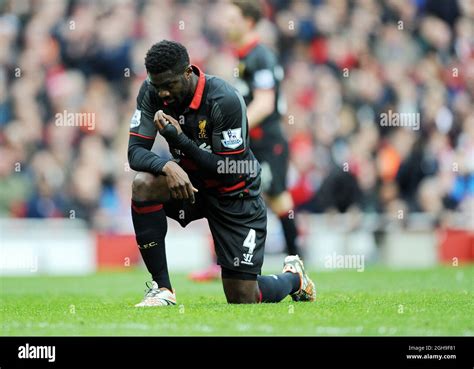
(250, 241)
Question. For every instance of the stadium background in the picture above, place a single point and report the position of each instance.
(397, 195)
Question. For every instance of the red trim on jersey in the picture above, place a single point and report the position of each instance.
(260, 296)
(231, 152)
(142, 136)
(256, 133)
(244, 50)
(147, 209)
(196, 101)
(232, 188)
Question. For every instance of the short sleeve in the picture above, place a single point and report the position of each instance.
(264, 71)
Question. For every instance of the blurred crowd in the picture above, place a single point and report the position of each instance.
(346, 64)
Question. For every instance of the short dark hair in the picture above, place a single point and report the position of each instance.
(249, 8)
(167, 55)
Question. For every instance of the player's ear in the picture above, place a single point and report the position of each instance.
(189, 72)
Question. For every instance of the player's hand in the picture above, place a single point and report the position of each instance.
(168, 127)
(178, 181)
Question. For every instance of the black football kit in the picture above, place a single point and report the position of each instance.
(214, 151)
(259, 69)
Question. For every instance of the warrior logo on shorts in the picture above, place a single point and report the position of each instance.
(247, 259)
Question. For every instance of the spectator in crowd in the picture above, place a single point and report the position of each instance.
(346, 64)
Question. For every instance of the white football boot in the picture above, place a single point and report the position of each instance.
(307, 290)
(157, 297)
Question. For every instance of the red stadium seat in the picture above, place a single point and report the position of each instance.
(456, 243)
(116, 251)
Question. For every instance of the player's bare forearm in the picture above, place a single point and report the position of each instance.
(261, 107)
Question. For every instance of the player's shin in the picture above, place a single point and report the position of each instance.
(291, 235)
(149, 221)
(283, 206)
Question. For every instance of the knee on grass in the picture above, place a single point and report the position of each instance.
(241, 291)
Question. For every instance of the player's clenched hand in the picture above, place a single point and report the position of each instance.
(178, 182)
(168, 127)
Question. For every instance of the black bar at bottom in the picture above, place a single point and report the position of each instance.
(236, 352)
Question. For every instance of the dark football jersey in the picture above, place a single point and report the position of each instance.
(216, 121)
(259, 69)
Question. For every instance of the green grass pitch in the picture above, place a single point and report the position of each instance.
(378, 301)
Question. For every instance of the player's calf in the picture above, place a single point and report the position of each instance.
(282, 205)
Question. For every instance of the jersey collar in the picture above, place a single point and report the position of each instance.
(244, 50)
(196, 101)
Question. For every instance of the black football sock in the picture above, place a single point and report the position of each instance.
(274, 288)
(149, 221)
(291, 235)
